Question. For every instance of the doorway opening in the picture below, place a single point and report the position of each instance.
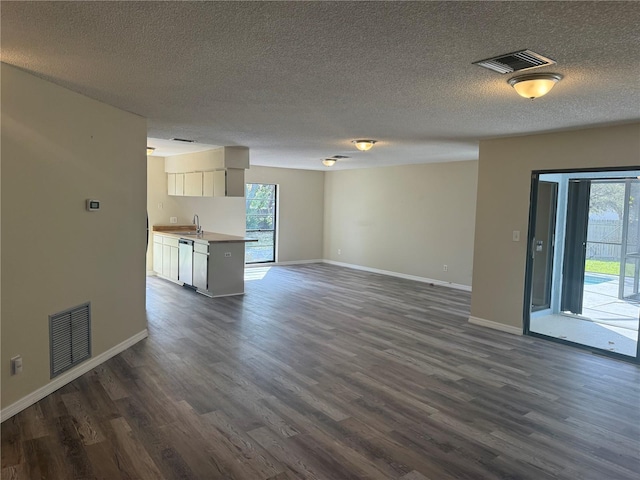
(583, 262)
(261, 212)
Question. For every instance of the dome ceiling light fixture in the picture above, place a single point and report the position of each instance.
(150, 150)
(534, 85)
(364, 145)
(329, 162)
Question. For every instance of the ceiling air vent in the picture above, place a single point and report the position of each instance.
(515, 62)
(184, 140)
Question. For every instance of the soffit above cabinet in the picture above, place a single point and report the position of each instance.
(216, 159)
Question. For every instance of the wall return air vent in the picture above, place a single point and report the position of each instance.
(515, 61)
(70, 338)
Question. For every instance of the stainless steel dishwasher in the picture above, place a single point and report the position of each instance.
(185, 261)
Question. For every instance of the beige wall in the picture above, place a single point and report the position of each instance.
(58, 149)
(160, 206)
(504, 181)
(217, 214)
(410, 219)
(300, 210)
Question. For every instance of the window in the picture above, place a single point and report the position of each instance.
(261, 222)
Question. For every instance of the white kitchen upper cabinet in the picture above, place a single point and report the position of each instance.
(179, 184)
(207, 184)
(175, 184)
(213, 183)
(171, 184)
(193, 184)
(219, 183)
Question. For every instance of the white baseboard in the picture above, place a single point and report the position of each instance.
(151, 273)
(69, 376)
(275, 264)
(457, 286)
(495, 325)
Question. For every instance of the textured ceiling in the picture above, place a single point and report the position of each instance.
(297, 81)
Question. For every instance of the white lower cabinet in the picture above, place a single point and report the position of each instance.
(170, 262)
(165, 256)
(218, 267)
(157, 254)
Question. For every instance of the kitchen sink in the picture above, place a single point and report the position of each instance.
(191, 232)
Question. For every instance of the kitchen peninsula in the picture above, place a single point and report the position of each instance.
(211, 263)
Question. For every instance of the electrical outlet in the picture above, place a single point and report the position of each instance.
(339, 252)
(160, 206)
(227, 254)
(16, 365)
(445, 268)
(173, 220)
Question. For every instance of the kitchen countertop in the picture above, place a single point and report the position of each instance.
(210, 237)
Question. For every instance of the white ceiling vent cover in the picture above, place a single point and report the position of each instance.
(70, 338)
(515, 62)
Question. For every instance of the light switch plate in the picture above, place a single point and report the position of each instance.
(516, 235)
(16, 365)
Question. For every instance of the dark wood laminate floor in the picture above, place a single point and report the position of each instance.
(321, 372)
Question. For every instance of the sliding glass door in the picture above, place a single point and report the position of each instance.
(630, 246)
(575, 246)
(586, 290)
(543, 248)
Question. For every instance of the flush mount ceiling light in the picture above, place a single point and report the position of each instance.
(150, 150)
(331, 161)
(364, 145)
(534, 85)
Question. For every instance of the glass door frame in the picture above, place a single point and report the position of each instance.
(274, 229)
(550, 239)
(528, 279)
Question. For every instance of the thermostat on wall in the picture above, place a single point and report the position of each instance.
(93, 205)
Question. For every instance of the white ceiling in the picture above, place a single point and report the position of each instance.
(167, 147)
(297, 81)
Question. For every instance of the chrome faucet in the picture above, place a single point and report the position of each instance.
(196, 220)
